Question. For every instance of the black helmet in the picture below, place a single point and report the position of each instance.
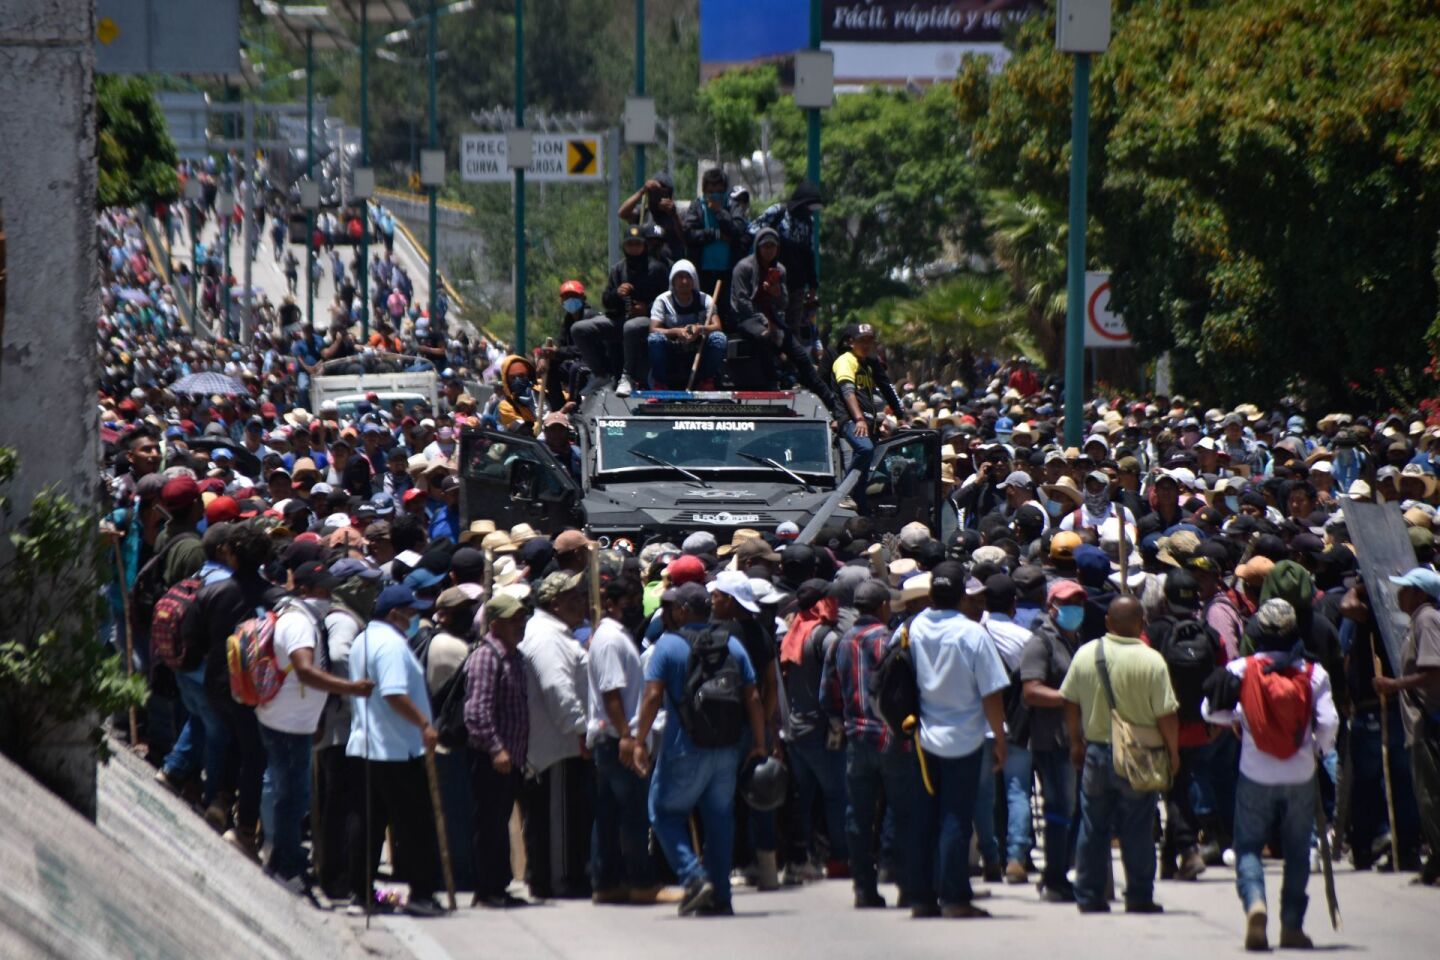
(763, 783)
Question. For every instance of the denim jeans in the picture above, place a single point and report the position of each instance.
(1213, 782)
(817, 769)
(862, 451)
(1057, 791)
(867, 773)
(1368, 818)
(666, 354)
(205, 741)
(941, 829)
(985, 837)
(1019, 775)
(619, 848)
(1109, 806)
(1261, 809)
(288, 769)
(702, 780)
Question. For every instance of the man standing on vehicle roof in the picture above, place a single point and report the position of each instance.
(858, 375)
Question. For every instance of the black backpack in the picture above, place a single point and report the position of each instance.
(712, 709)
(1191, 651)
(894, 689)
(448, 707)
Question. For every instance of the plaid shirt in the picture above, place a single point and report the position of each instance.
(497, 712)
(847, 680)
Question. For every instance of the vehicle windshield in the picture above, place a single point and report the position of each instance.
(707, 445)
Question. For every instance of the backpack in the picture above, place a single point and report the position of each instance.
(150, 584)
(170, 639)
(894, 688)
(1277, 706)
(448, 707)
(712, 709)
(255, 674)
(1190, 649)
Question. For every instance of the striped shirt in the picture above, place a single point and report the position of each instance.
(497, 711)
(846, 680)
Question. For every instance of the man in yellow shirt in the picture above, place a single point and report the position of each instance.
(1142, 696)
(858, 375)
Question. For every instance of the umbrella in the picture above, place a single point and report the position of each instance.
(208, 383)
(134, 295)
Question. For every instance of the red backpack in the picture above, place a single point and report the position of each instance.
(1278, 706)
(168, 630)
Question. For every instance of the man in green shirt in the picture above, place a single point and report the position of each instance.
(1108, 804)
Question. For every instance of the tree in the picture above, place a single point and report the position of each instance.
(1265, 178)
(732, 105)
(134, 152)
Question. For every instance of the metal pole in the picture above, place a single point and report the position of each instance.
(364, 278)
(612, 187)
(1075, 257)
(639, 85)
(227, 216)
(247, 319)
(434, 142)
(520, 180)
(310, 174)
(192, 220)
(812, 137)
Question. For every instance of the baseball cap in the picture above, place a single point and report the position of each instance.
(558, 583)
(1065, 591)
(947, 580)
(756, 549)
(570, 540)
(685, 569)
(699, 542)
(735, 584)
(1063, 544)
(557, 419)
(502, 606)
(353, 567)
(1018, 478)
(451, 598)
(394, 597)
(422, 579)
(179, 494)
(691, 596)
(1181, 591)
(222, 509)
(315, 575)
(1422, 578)
(871, 593)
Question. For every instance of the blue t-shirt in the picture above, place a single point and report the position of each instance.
(956, 667)
(381, 654)
(667, 664)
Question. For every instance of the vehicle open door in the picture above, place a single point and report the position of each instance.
(904, 481)
(513, 479)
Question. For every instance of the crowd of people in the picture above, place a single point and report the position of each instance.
(1167, 617)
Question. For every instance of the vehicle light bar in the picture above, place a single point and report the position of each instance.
(671, 396)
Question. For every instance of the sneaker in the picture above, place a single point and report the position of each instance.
(1295, 940)
(623, 387)
(172, 782)
(697, 894)
(869, 900)
(1191, 866)
(1255, 920)
(1015, 873)
(793, 876)
(426, 907)
(991, 872)
(1149, 906)
(244, 842)
(356, 907)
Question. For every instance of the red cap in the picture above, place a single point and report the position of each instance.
(128, 405)
(188, 426)
(572, 286)
(412, 495)
(308, 537)
(179, 494)
(212, 485)
(1062, 591)
(686, 569)
(267, 409)
(222, 510)
(373, 397)
(408, 422)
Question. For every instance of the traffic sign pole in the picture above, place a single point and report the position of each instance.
(431, 190)
(310, 173)
(520, 180)
(364, 271)
(812, 152)
(640, 86)
(1075, 266)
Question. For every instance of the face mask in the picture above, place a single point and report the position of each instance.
(1053, 507)
(1097, 502)
(717, 197)
(572, 304)
(1232, 504)
(1069, 618)
(633, 619)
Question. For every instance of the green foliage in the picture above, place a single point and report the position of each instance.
(732, 105)
(1027, 238)
(53, 668)
(1265, 178)
(134, 153)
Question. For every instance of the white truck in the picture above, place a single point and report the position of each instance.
(392, 377)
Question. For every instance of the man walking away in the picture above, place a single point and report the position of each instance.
(962, 682)
(1135, 684)
(1285, 717)
(497, 721)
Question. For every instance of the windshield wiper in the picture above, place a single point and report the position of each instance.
(666, 463)
(777, 465)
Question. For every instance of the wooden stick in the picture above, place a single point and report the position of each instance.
(700, 347)
(434, 777)
(1385, 761)
(129, 637)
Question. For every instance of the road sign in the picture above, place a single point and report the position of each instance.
(1103, 329)
(557, 157)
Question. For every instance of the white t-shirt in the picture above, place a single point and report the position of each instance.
(614, 664)
(295, 708)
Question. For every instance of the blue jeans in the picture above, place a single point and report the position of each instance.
(817, 769)
(288, 769)
(985, 806)
(666, 352)
(941, 829)
(1212, 786)
(1018, 774)
(1057, 791)
(703, 780)
(619, 846)
(1259, 810)
(205, 741)
(867, 773)
(862, 451)
(1368, 817)
(1109, 806)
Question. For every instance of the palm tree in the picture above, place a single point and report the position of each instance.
(1028, 236)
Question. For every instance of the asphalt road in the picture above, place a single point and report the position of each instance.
(1383, 917)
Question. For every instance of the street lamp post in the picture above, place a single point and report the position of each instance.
(640, 86)
(812, 137)
(431, 190)
(310, 176)
(364, 270)
(519, 180)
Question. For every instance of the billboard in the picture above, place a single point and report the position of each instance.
(874, 41)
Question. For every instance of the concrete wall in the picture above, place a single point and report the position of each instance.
(461, 247)
(47, 356)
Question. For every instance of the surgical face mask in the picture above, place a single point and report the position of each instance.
(1054, 508)
(1097, 502)
(1069, 618)
(572, 304)
(1232, 504)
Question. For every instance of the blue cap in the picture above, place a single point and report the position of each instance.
(172, 433)
(222, 453)
(1421, 578)
(422, 579)
(373, 428)
(384, 503)
(394, 597)
(354, 567)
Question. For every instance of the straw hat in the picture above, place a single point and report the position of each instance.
(1064, 489)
